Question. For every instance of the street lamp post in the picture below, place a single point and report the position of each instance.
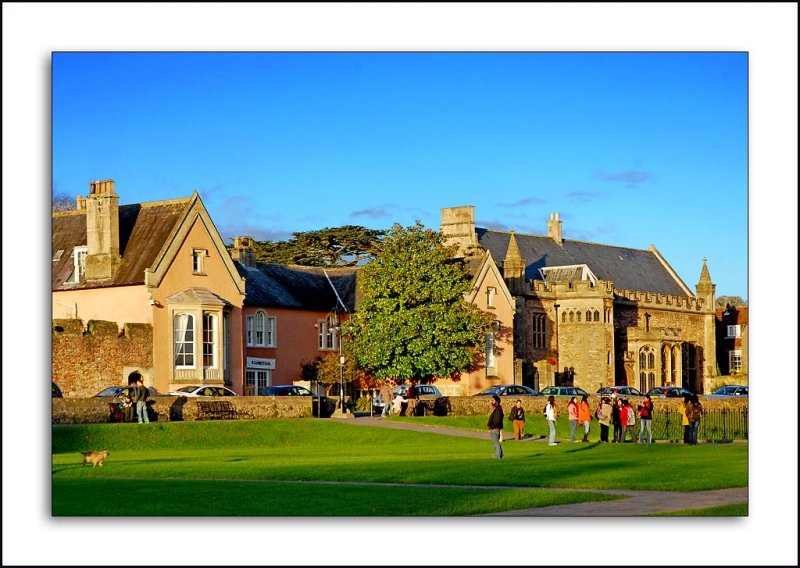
(338, 331)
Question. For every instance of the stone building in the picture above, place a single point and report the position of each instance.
(590, 314)
(733, 333)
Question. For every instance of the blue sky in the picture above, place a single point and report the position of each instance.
(630, 148)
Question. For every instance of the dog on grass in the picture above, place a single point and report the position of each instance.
(96, 458)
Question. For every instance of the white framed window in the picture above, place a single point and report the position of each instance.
(251, 324)
(255, 380)
(259, 335)
(538, 331)
(209, 340)
(270, 331)
(183, 329)
(79, 258)
(735, 360)
(327, 334)
(198, 261)
(734, 331)
(490, 359)
(490, 293)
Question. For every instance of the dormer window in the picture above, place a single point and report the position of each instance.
(198, 258)
(568, 273)
(79, 258)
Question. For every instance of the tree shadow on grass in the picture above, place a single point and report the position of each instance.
(582, 448)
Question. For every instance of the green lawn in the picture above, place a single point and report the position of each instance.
(241, 460)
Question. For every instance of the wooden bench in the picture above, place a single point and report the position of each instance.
(215, 410)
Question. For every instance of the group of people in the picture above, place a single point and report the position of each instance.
(615, 412)
(404, 402)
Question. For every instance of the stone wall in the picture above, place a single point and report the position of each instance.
(90, 357)
(175, 409)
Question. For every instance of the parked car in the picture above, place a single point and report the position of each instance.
(57, 391)
(328, 404)
(563, 391)
(203, 390)
(618, 391)
(508, 390)
(429, 399)
(668, 392)
(729, 391)
(120, 391)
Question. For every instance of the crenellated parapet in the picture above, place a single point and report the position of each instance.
(661, 301)
(576, 288)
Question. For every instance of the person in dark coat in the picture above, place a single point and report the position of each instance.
(616, 419)
(495, 425)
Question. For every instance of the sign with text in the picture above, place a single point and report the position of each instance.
(260, 363)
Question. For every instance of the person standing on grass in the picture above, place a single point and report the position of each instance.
(495, 425)
(628, 420)
(140, 395)
(645, 409)
(517, 416)
(551, 414)
(615, 419)
(585, 416)
(411, 395)
(694, 419)
(572, 410)
(386, 398)
(604, 416)
(685, 409)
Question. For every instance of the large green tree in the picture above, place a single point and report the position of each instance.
(413, 321)
(339, 246)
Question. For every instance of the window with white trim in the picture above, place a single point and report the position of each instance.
(734, 331)
(79, 259)
(198, 261)
(270, 331)
(490, 293)
(259, 338)
(250, 323)
(327, 334)
(183, 329)
(489, 355)
(735, 360)
(255, 380)
(209, 340)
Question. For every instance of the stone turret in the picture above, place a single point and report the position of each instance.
(554, 228)
(458, 228)
(514, 266)
(243, 251)
(102, 230)
(705, 290)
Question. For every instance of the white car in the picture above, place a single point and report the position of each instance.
(203, 390)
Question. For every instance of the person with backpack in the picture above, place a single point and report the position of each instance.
(572, 410)
(604, 415)
(551, 414)
(585, 416)
(517, 416)
(627, 418)
(495, 425)
(645, 409)
(695, 414)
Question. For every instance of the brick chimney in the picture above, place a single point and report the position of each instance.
(102, 230)
(243, 251)
(554, 228)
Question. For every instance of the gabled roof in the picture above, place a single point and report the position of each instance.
(299, 287)
(479, 268)
(143, 230)
(628, 269)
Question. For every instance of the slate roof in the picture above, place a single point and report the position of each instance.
(628, 269)
(143, 230)
(298, 287)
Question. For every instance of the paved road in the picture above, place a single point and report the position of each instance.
(635, 503)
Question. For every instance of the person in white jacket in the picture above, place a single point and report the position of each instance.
(550, 414)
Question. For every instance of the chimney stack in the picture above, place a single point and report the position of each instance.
(243, 251)
(458, 228)
(102, 230)
(554, 228)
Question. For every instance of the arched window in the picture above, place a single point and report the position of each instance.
(260, 319)
(571, 316)
(183, 326)
(642, 359)
(651, 360)
(578, 316)
(209, 340)
(596, 316)
(564, 317)
(588, 315)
